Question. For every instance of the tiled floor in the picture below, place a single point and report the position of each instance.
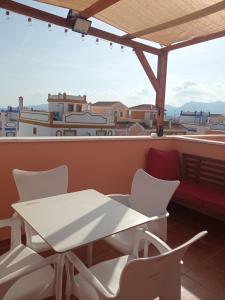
(203, 271)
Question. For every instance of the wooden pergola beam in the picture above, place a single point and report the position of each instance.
(179, 21)
(160, 95)
(119, 40)
(147, 68)
(59, 21)
(195, 41)
(96, 8)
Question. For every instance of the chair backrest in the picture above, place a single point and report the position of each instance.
(148, 278)
(39, 184)
(150, 195)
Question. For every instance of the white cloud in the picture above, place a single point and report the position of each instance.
(129, 96)
(187, 90)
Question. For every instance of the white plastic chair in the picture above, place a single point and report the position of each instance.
(24, 274)
(149, 196)
(131, 277)
(34, 185)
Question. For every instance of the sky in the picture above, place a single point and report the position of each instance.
(35, 62)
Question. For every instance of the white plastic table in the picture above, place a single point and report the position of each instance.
(75, 219)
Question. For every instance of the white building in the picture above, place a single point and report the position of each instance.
(195, 122)
(67, 115)
(197, 118)
(9, 122)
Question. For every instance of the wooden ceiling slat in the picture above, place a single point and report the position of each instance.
(97, 7)
(195, 41)
(179, 21)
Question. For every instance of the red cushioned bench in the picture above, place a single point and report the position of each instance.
(202, 179)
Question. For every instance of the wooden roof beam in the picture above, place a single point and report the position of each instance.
(59, 21)
(179, 21)
(97, 7)
(147, 68)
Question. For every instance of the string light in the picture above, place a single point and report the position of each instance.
(82, 37)
(7, 13)
(49, 27)
(29, 21)
(122, 48)
(97, 41)
(110, 45)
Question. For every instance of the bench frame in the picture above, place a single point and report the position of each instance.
(205, 170)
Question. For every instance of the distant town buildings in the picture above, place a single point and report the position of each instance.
(70, 115)
(67, 115)
(216, 122)
(9, 121)
(195, 122)
(113, 109)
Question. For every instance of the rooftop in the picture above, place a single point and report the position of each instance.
(143, 107)
(203, 272)
(106, 103)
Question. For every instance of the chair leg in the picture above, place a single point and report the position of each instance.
(69, 279)
(90, 254)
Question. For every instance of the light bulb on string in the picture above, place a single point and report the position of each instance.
(29, 20)
(66, 31)
(97, 41)
(49, 27)
(122, 48)
(82, 37)
(110, 45)
(7, 13)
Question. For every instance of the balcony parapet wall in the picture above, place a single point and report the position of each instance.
(106, 164)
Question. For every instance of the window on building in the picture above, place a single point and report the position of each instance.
(101, 132)
(58, 133)
(70, 107)
(78, 108)
(121, 114)
(10, 134)
(34, 130)
(110, 132)
(70, 132)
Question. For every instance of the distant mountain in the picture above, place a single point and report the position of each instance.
(217, 107)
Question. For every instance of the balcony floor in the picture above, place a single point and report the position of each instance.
(203, 271)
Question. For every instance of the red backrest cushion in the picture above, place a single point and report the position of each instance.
(164, 164)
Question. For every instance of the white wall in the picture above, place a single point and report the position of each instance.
(35, 116)
(27, 130)
(85, 118)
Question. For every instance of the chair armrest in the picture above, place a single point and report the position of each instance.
(15, 224)
(7, 281)
(121, 198)
(20, 272)
(155, 218)
(88, 275)
(142, 234)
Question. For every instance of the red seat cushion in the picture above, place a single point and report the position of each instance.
(201, 194)
(164, 164)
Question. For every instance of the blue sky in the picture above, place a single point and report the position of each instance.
(35, 61)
